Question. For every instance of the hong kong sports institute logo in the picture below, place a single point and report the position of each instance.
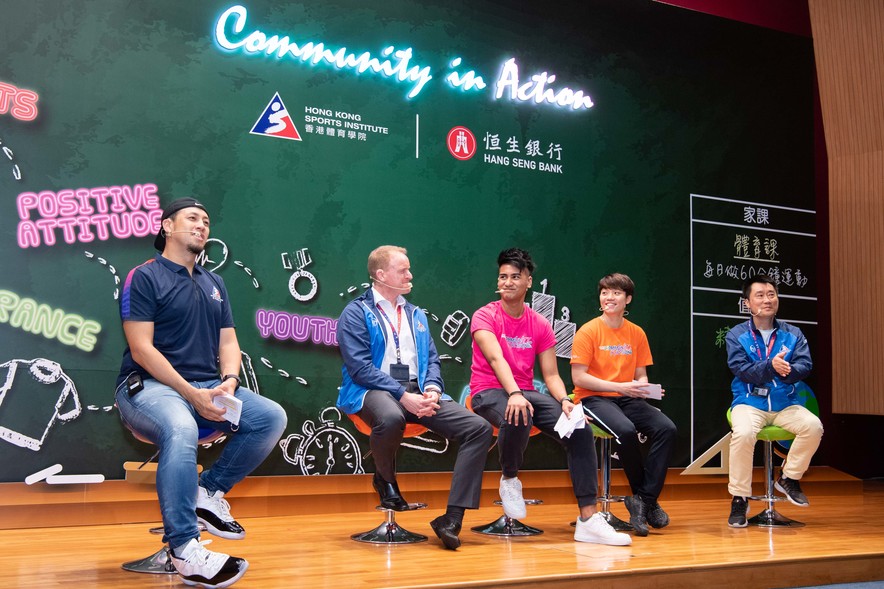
(275, 121)
(461, 143)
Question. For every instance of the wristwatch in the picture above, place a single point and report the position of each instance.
(234, 377)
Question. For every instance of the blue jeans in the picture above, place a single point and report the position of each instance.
(161, 415)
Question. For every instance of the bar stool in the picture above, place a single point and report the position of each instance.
(389, 531)
(160, 562)
(505, 526)
(606, 499)
(769, 516)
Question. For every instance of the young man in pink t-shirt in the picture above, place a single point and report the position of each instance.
(508, 337)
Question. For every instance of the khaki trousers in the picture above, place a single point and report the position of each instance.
(747, 421)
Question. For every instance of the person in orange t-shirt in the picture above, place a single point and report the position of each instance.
(609, 361)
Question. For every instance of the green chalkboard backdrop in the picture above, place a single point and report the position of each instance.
(316, 131)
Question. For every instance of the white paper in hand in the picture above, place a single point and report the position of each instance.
(233, 406)
(565, 426)
(655, 391)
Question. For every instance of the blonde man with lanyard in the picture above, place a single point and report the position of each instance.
(392, 376)
(769, 358)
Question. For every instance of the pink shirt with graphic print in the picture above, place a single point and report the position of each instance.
(521, 341)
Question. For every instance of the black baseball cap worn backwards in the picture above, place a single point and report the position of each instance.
(173, 207)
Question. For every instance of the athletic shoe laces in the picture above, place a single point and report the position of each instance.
(203, 561)
(220, 507)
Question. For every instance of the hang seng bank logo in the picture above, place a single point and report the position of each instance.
(461, 143)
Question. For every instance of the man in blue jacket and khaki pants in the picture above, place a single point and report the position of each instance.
(768, 358)
(392, 376)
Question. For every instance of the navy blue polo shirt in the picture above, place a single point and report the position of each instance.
(187, 312)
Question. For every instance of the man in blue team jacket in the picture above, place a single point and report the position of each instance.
(392, 376)
(768, 358)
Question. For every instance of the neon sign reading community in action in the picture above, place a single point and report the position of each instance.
(392, 63)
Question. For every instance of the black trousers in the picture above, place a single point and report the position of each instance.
(512, 440)
(625, 418)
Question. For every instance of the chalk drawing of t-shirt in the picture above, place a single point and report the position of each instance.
(34, 395)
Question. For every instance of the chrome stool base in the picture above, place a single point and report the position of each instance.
(615, 522)
(390, 532)
(770, 517)
(158, 563)
(507, 526)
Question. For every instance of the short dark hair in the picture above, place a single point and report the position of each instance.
(758, 279)
(617, 281)
(518, 258)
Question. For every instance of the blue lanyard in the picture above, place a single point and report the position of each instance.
(395, 330)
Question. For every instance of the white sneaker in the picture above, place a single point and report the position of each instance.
(511, 497)
(213, 511)
(599, 531)
(198, 566)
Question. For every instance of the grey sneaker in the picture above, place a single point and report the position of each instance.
(739, 509)
(511, 497)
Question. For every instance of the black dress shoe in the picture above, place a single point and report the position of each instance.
(447, 531)
(389, 493)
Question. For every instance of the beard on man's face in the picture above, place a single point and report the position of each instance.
(195, 249)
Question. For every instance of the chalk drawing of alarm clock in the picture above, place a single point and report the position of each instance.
(328, 449)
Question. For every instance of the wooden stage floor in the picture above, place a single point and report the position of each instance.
(843, 541)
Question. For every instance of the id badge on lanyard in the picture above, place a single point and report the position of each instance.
(398, 371)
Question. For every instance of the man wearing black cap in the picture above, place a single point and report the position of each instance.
(182, 361)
